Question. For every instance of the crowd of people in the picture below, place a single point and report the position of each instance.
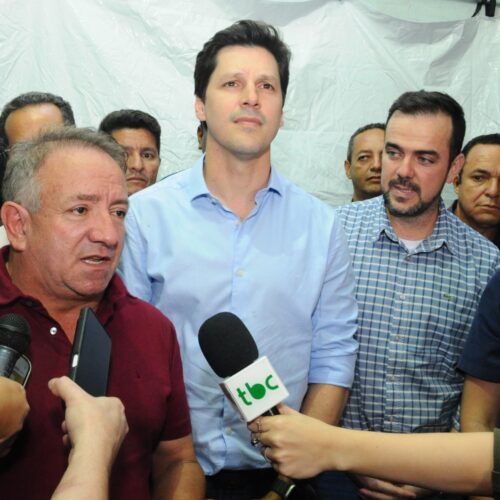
(373, 313)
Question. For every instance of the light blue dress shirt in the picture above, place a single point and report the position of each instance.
(285, 271)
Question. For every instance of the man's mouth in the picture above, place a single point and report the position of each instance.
(137, 179)
(248, 120)
(95, 259)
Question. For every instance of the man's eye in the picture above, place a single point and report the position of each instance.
(231, 83)
(363, 157)
(121, 213)
(268, 86)
(477, 178)
(80, 210)
(149, 156)
(426, 161)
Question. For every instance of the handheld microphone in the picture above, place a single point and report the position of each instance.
(15, 338)
(250, 382)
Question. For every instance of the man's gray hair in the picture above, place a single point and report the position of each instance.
(20, 184)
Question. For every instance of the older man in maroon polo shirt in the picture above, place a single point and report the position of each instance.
(66, 199)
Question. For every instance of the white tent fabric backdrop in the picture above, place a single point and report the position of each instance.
(349, 63)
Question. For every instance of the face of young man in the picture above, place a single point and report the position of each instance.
(366, 164)
(143, 159)
(27, 122)
(243, 102)
(74, 241)
(415, 163)
(479, 191)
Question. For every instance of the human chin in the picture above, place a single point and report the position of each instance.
(401, 209)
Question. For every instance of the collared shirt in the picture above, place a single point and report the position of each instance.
(415, 310)
(284, 270)
(145, 373)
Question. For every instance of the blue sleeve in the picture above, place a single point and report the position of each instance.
(334, 348)
(481, 356)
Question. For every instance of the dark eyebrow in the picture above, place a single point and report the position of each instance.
(480, 171)
(430, 152)
(391, 145)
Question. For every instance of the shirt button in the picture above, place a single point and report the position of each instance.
(240, 273)
(391, 378)
(229, 430)
(53, 330)
(402, 296)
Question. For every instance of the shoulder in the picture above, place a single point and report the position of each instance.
(470, 241)
(354, 216)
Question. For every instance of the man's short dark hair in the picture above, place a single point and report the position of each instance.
(360, 130)
(423, 102)
(480, 139)
(246, 33)
(131, 118)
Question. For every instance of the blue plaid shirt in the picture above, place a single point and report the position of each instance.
(415, 310)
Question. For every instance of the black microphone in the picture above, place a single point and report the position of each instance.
(229, 348)
(15, 338)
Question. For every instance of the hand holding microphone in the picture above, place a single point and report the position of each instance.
(249, 382)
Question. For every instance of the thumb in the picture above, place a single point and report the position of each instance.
(65, 388)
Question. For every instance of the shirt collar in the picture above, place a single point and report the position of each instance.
(197, 186)
(441, 234)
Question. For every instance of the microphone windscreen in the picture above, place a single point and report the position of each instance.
(15, 332)
(227, 344)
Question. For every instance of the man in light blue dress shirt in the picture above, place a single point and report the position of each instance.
(231, 234)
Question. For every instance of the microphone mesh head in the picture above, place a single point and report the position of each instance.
(227, 344)
(15, 332)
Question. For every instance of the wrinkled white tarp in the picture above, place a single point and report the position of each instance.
(349, 63)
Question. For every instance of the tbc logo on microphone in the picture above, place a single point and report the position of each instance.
(257, 391)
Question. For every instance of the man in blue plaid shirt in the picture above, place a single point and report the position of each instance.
(420, 272)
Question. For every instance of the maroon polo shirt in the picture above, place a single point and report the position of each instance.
(145, 373)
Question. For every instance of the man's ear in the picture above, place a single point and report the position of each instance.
(347, 167)
(455, 168)
(15, 219)
(199, 108)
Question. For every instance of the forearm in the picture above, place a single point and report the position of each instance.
(325, 402)
(480, 406)
(86, 476)
(440, 461)
(181, 480)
